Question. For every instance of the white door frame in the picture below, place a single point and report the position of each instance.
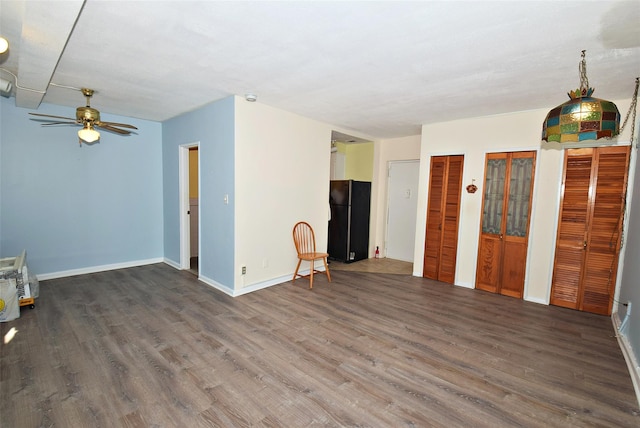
(183, 186)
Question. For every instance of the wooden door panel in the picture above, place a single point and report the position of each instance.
(448, 255)
(575, 199)
(449, 243)
(513, 268)
(604, 232)
(566, 276)
(489, 262)
(434, 218)
(443, 211)
(430, 268)
(603, 241)
(572, 231)
(506, 210)
(490, 244)
(598, 282)
(589, 225)
(516, 228)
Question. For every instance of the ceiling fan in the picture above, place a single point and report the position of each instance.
(89, 118)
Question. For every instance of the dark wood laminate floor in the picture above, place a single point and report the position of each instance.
(152, 346)
(382, 265)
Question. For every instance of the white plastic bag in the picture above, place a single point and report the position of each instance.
(34, 286)
(9, 307)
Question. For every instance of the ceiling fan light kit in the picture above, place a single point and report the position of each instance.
(89, 118)
(88, 134)
(4, 45)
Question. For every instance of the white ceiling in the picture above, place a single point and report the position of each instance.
(377, 69)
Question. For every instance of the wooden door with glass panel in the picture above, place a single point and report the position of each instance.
(504, 230)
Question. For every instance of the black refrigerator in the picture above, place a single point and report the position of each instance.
(350, 203)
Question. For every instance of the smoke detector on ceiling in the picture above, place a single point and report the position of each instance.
(251, 97)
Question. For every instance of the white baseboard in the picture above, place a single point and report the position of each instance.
(629, 355)
(213, 283)
(172, 263)
(264, 284)
(94, 269)
(253, 287)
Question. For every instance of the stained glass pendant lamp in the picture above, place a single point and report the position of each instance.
(583, 117)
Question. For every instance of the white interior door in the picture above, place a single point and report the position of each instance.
(402, 207)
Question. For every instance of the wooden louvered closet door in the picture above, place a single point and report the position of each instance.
(504, 231)
(589, 228)
(443, 212)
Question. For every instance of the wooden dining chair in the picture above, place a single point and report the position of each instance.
(305, 240)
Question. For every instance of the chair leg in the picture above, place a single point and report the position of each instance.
(295, 275)
(313, 267)
(326, 269)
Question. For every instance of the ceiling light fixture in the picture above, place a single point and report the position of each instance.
(4, 45)
(251, 97)
(582, 117)
(88, 134)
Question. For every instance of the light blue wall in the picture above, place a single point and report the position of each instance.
(630, 284)
(213, 127)
(75, 207)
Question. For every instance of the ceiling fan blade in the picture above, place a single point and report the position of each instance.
(56, 117)
(121, 125)
(107, 127)
(59, 123)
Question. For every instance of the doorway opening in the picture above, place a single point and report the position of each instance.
(189, 189)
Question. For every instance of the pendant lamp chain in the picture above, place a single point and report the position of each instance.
(632, 108)
(584, 80)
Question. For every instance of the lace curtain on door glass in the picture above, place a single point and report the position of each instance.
(494, 196)
(519, 192)
(519, 195)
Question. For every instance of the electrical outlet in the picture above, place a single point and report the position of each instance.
(265, 263)
(244, 270)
